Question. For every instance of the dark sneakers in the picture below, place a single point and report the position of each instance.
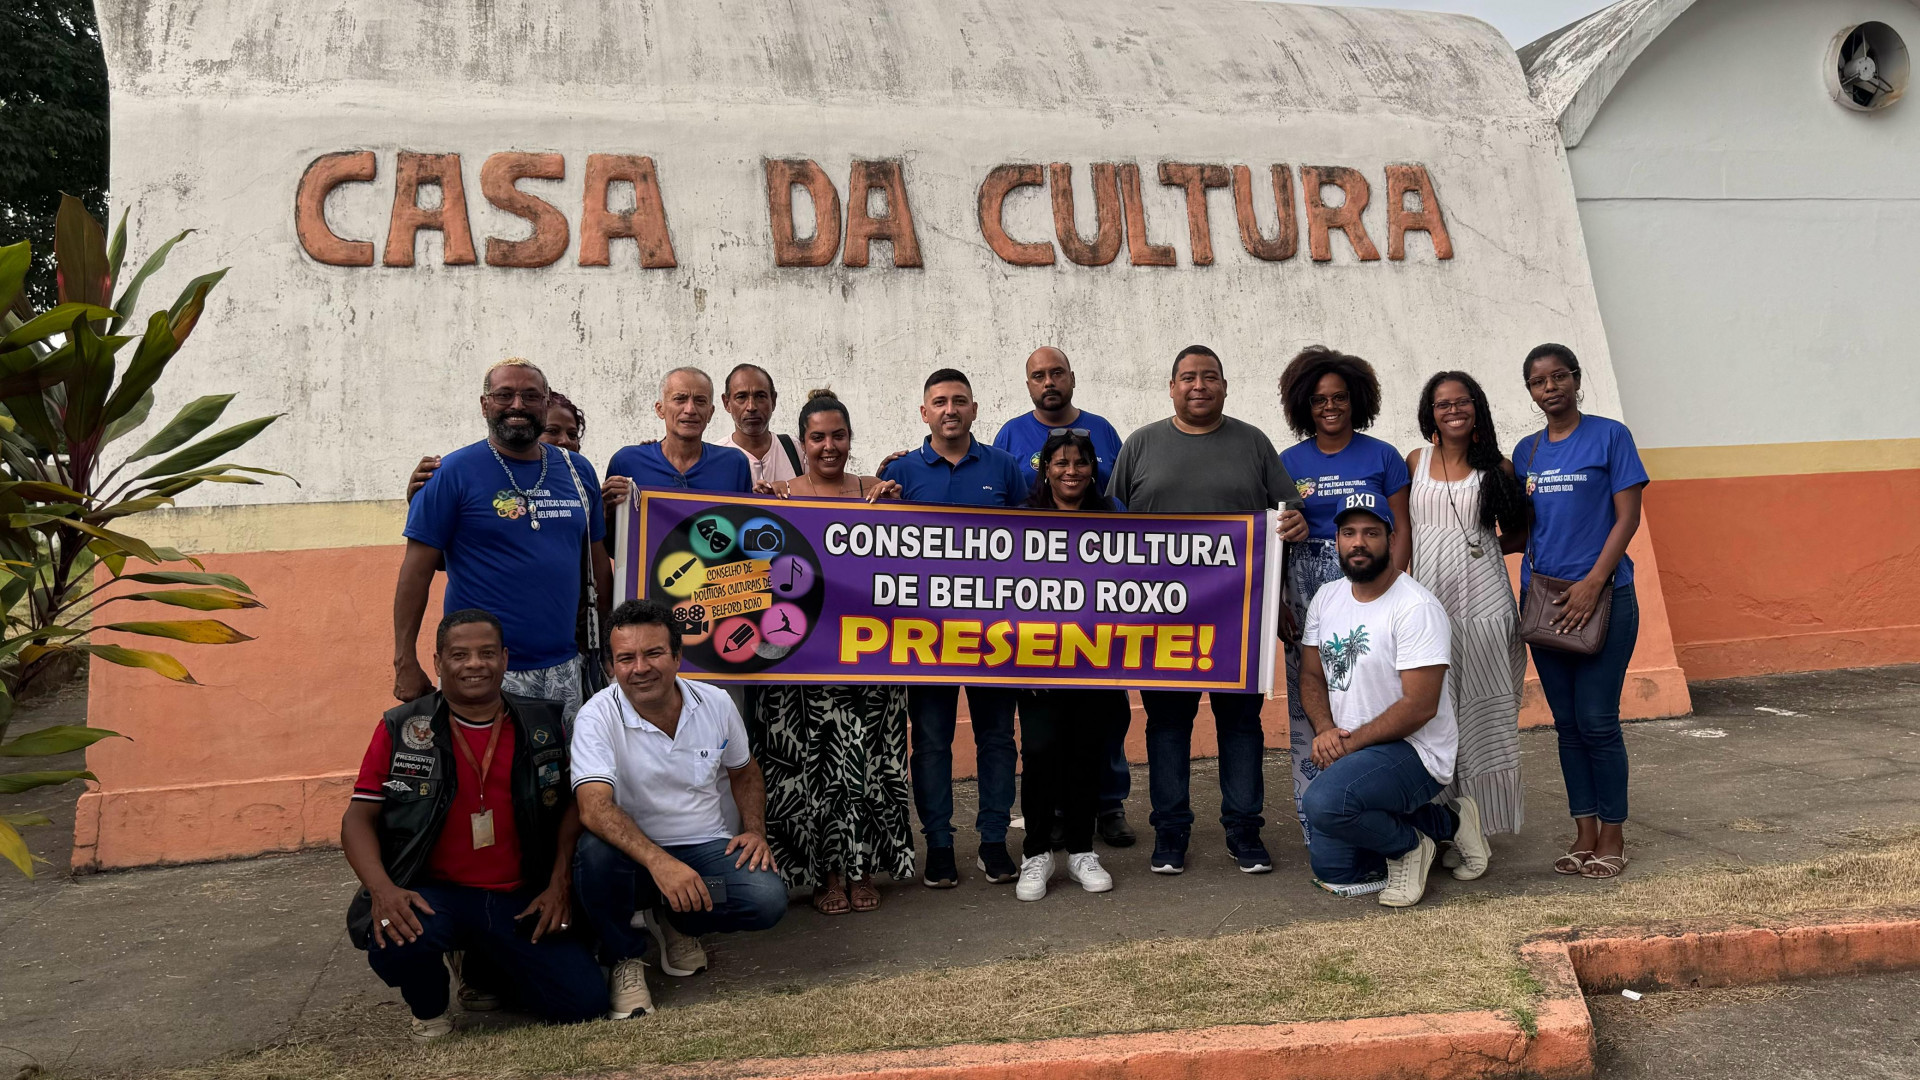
(996, 863)
(1250, 853)
(1169, 853)
(941, 872)
(1114, 829)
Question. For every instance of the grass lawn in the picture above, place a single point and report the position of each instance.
(1459, 955)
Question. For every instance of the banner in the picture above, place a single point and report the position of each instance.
(835, 591)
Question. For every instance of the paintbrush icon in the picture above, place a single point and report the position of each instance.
(684, 567)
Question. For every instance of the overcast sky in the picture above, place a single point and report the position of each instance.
(1521, 20)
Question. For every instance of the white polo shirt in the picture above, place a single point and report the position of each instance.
(671, 787)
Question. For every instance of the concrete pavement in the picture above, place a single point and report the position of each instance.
(154, 968)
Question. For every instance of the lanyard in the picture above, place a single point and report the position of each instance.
(484, 765)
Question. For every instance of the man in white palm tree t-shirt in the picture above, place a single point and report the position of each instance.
(1374, 683)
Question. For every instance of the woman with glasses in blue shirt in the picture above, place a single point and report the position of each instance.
(1330, 399)
(1584, 478)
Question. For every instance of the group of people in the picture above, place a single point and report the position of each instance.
(663, 809)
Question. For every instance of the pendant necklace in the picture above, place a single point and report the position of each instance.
(1474, 550)
(525, 497)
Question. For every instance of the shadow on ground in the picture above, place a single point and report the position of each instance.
(149, 969)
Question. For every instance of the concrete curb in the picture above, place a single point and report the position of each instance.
(1430, 1046)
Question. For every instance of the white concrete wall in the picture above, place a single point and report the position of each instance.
(1755, 245)
(219, 106)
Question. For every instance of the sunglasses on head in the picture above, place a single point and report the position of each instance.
(1080, 431)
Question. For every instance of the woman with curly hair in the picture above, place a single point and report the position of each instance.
(1468, 510)
(1330, 399)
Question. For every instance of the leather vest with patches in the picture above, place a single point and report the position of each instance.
(422, 777)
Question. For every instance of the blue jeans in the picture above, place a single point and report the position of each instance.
(555, 979)
(1584, 694)
(936, 712)
(1116, 777)
(611, 888)
(1236, 725)
(1371, 806)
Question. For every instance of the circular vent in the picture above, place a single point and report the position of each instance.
(1867, 67)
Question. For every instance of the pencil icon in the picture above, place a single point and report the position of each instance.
(684, 567)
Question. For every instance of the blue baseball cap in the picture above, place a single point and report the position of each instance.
(1365, 502)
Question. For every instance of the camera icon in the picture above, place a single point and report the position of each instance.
(762, 538)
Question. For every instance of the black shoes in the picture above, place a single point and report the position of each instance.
(941, 873)
(1250, 853)
(1170, 852)
(1114, 829)
(995, 863)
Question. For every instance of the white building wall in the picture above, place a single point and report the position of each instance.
(219, 107)
(1755, 245)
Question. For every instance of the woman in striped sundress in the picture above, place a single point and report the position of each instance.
(1468, 510)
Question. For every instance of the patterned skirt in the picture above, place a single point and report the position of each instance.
(835, 759)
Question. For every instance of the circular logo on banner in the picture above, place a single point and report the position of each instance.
(744, 585)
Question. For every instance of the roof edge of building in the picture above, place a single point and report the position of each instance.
(1572, 70)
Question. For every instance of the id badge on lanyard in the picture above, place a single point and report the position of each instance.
(482, 821)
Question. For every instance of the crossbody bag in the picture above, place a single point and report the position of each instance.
(1541, 606)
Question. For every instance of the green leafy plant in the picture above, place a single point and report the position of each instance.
(65, 400)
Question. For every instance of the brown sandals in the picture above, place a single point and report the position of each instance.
(864, 895)
(831, 900)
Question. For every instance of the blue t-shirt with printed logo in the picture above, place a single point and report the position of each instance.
(1325, 480)
(1572, 483)
(1024, 435)
(497, 561)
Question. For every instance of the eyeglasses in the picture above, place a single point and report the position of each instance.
(532, 399)
(1557, 378)
(1456, 405)
(1323, 400)
(1080, 431)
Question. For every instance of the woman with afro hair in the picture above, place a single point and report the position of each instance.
(1330, 398)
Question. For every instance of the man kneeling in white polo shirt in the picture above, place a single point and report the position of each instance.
(648, 753)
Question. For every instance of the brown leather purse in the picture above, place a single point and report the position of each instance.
(1539, 609)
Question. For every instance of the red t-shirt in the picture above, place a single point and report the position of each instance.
(454, 859)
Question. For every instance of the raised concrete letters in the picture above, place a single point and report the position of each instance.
(878, 206)
(412, 172)
(1402, 180)
(1346, 217)
(645, 224)
(549, 239)
(317, 238)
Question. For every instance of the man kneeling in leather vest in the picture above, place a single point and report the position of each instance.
(462, 830)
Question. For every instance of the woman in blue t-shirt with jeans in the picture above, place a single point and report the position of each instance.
(1583, 475)
(1330, 398)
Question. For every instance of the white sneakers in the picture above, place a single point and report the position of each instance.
(1037, 870)
(681, 955)
(1469, 842)
(627, 993)
(1085, 868)
(1407, 875)
(428, 1030)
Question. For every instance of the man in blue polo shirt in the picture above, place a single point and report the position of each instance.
(1050, 384)
(681, 459)
(509, 517)
(955, 468)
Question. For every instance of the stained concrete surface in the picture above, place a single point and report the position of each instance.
(147, 969)
(1856, 1028)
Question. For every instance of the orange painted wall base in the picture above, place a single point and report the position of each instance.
(260, 757)
(1790, 573)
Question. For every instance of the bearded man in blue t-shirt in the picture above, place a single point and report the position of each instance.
(1050, 383)
(508, 517)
